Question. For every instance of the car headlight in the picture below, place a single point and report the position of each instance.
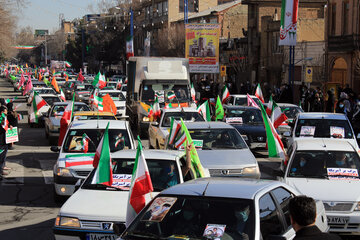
(67, 222)
(81, 95)
(146, 119)
(251, 171)
(357, 208)
(245, 137)
(63, 172)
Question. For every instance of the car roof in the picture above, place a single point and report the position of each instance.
(93, 113)
(47, 95)
(323, 144)
(98, 124)
(320, 115)
(67, 102)
(229, 187)
(149, 153)
(110, 90)
(185, 109)
(242, 95)
(240, 107)
(208, 125)
(287, 105)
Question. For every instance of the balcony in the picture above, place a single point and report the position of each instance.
(345, 43)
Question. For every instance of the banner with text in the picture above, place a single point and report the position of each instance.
(12, 135)
(202, 47)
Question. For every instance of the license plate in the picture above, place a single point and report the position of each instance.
(338, 220)
(96, 236)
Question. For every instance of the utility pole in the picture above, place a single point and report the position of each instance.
(45, 51)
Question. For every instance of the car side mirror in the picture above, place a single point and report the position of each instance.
(118, 228)
(55, 149)
(275, 237)
(287, 134)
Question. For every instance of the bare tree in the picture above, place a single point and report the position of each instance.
(170, 41)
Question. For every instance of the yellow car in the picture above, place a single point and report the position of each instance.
(93, 115)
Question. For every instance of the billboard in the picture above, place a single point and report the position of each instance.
(202, 47)
(41, 32)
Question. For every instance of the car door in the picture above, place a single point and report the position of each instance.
(272, 218)
(153, 132)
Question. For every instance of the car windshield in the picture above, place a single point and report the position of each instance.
(325, 164)
(242, 101)
(116, 96)
(58, 110)
(94, 117)
(244, 116)
(45, 91)
(51, 100)
(323, 128)
(186, 116)
(290, 112)
(165, 93)
(186, 217)
(87, 87)
(163, 174)
(112, 84)
(118, 140)
(217, 138)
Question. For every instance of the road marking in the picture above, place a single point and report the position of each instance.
(16, 174)
(47, 171)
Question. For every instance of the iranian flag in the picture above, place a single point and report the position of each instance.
(225, 94)
(102, 162)
(277, 116)
(37, 103)
(10, 100)
(20, 117)
(269, 106)
(174, 129)
(62, 95)
(140, 185)
(179, 141)
(28, 87)
(98, 101)
(85, 143)
(80, 76)
(275, 146)
(67, 64)
(251, 101)
(171, 95)
(204, 110)
(259, 94)
(99, 81)
(193, 93)
(66, 119)
(129, 47)
(288, 22)
(156, 109)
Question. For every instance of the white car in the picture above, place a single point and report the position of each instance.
(237, 208)
(119, 100)
(50, 99)
(90, 212)
(321, 125)
(41, 92)
(159, 130)
(72, 164)
(328, 170)
(221, 150)
(241, 99)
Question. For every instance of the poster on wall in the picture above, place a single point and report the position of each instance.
(202, 47)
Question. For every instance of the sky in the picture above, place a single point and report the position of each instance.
(44, 14)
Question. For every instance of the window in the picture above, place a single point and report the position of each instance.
(269, 219)
(283, 197)
(193, 5)
(165, 7)
(333, 19)
(159, 9)
(345, 15)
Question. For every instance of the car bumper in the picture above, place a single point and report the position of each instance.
(64, 186)
(351, 226)
(78, 234)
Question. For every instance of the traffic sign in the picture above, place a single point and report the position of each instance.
(222, 70)
(308, 74)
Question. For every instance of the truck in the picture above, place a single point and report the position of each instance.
(168, 79)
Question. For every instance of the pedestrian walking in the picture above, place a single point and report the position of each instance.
(302, 216)
(330, 102)
(3, 146)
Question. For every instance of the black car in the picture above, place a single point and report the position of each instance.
(249, 122)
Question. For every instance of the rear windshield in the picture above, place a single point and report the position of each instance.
(323, 128)
(118, 140)
(59, 109)
(244, 116)
(242, 101)
(116, 96)
(51, 100)
(186, 116)
(291, 112)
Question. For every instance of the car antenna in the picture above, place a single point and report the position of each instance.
(203, 194)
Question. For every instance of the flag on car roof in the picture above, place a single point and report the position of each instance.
(251, 101)
(102, 161)
(99, 81)
(277, 116)
(37, 103)
(156, 109)
(269, 106)
(67, 64)
(225, 94)
(219, 110)
(204, 110)
(55, 84)
(66, 119)
(80, 76)
(140, 185)
(171, 95)
(28, 87)
(196, 166)
(275, 146)
(175, 126)
(62, 95)
(98, 101)
(258, 93)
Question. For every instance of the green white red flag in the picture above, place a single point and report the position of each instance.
(277, 116)
(175, 126)
(62, 95)
(288, 22)
(66, 119)
(37, 103)
(269, 106)
(259, 94)
(171, 95)
(129, 47)
(140, 185)
(85, 143)
(225, 94)
(193, 93)
(102, 161)
(204, 110)
(251, 101)
(99, 81)
(98, 101)
(67, 64)
(156, 109)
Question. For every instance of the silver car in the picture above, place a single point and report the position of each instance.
(221, 149)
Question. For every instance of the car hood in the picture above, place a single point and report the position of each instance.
(327, 190)
(55, 121)
(256, 130)
(229, 159)
(109, 205)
